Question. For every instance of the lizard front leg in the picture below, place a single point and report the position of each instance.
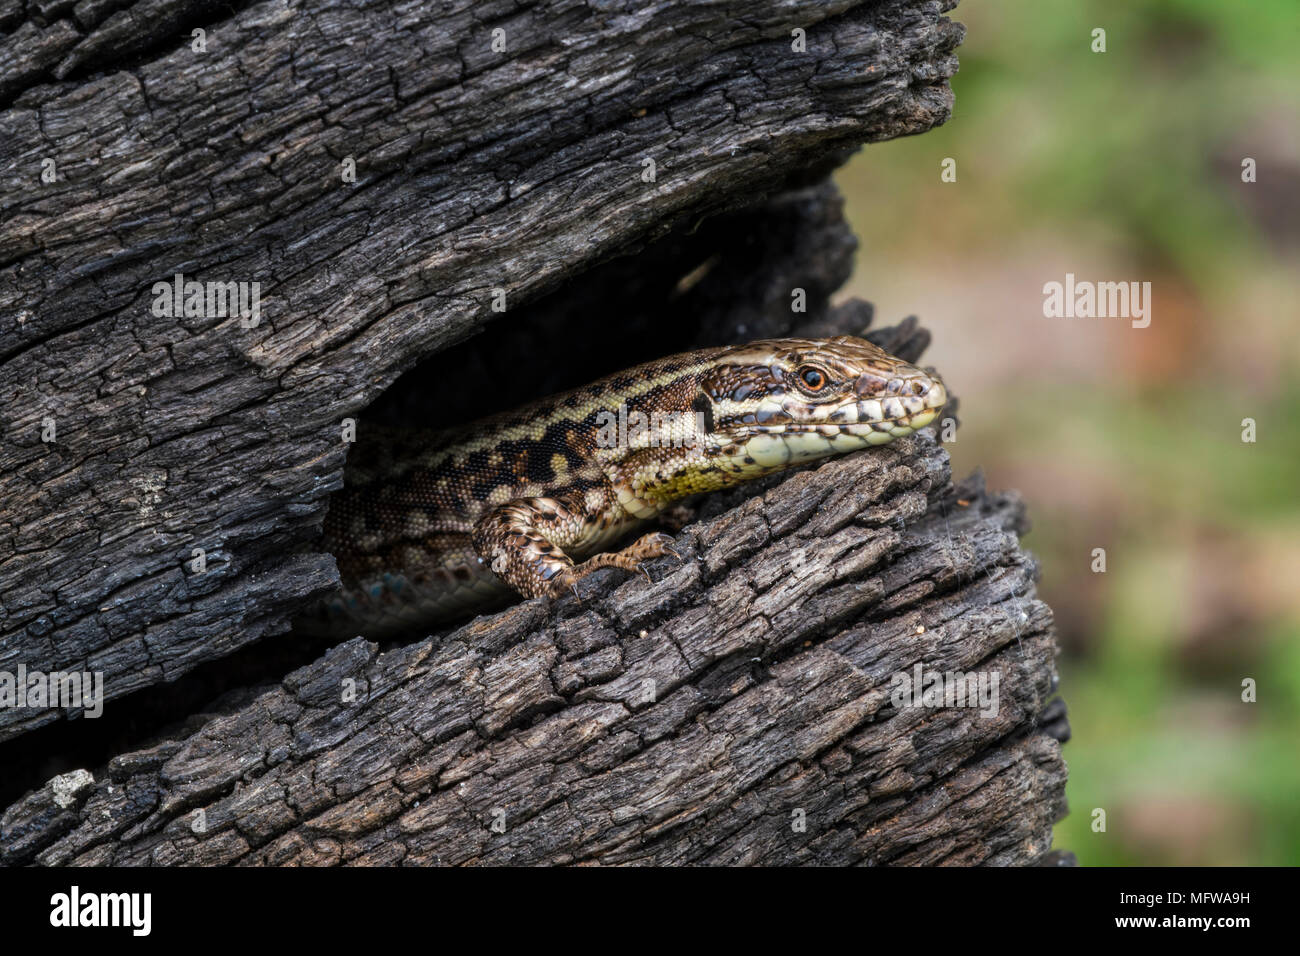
(525, 542)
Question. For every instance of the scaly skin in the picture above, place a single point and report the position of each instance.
(431, 525)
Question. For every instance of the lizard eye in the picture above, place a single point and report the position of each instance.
(812, 378)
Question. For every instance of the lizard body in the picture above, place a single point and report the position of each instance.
(431, 525)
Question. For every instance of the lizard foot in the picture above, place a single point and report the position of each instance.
(632, 558)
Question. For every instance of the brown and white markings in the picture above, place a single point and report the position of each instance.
(431, 525)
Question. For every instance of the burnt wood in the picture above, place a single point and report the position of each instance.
(738, 708)
(476, 169)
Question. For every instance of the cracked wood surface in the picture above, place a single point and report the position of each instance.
(694, 719)
(735, 710)
(476, 170)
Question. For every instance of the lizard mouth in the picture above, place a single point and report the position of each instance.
(850, 427)
(889, 428)
(893, 416)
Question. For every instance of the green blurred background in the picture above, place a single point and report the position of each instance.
(1116, 166)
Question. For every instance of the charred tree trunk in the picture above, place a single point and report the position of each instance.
(388, 174)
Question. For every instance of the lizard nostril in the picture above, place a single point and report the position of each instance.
(920, 388)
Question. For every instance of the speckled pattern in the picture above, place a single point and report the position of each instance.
(431, 525)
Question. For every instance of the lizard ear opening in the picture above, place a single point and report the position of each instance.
(704, 408)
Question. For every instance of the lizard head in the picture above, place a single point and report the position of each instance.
(772, 403)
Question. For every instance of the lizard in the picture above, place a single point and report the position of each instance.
(431, 525)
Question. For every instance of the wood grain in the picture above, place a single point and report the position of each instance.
(737, 709)
(476, 170)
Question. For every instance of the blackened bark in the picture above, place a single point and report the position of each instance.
(476, 169)
(740, 708)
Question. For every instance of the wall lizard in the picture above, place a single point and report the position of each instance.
(432, 525)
